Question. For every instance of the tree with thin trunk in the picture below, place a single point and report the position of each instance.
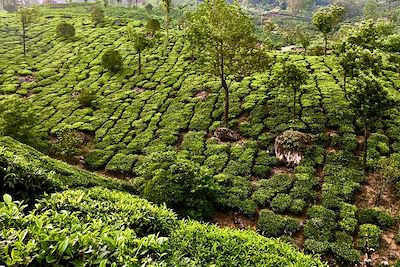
(224, 37)
(291, 77)
(27, 16)
(326, 19)
(303, 37)
(354, 59)
(166, 5)
(140, 43)
(369, 102)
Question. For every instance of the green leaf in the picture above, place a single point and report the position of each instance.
(63, 246)
(50, 259)
(103, 263)
(7, 199)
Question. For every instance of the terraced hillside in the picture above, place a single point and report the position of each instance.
(171, 111)
(90, 225)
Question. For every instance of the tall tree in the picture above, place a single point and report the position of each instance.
(27, 16)
(354, 59)
(369, 102)
(291, 77)
(225, 35)
(325, 19)
(303, 37)
(166, 5)
(140, 43)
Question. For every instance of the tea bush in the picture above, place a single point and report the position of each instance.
(112, 60)
(65, 30)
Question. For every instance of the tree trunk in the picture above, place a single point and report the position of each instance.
(294, 105)
(326, 44)
(365, 148)
(226, 89)
(24, 38)
(140, 62)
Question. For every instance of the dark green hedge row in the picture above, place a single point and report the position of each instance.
(102, 227)
(28, 173)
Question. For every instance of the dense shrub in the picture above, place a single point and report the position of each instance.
(375, 216)
(347, 215)
(86, 97)
(320, 224)
(98, 14)
(17, 119)
(281, 202)
(272, 225)
(345, 253)
(96, 235)
(67, 143)
(369, 236)
(27, 173)
(100, 227)
(112, 60)
(179, 182)
(152, 26)
(65, 30)
(268, 188)
(97, 159)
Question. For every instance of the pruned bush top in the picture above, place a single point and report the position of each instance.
(112, 60)
(65, 30)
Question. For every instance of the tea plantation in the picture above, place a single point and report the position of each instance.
(151, 133)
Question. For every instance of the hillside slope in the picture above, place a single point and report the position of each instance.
(98, 226)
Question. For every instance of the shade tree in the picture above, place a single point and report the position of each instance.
(140, 42)
(326, 19)
(166, 7)
(152, 26)
(369, 102)
(27, 16)
(291, 77)
(224, 37)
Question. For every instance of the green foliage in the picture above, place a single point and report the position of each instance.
(101, 231)
(17, 118)
(369, 236)
(269, 188)
(292, 77)
(281, 202)
(67, 143)
(112, 60)
(28, 173)
(326, 19)
(320, 224)
(219, 30)
(196, 244)
(149, 7)
(179, 182)
(152, 26)
(98, 159)
(97, 14)
(347, 215)
(272, 225)
(371, 9)
(65, 30)
(375, 216)
(87, 96)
